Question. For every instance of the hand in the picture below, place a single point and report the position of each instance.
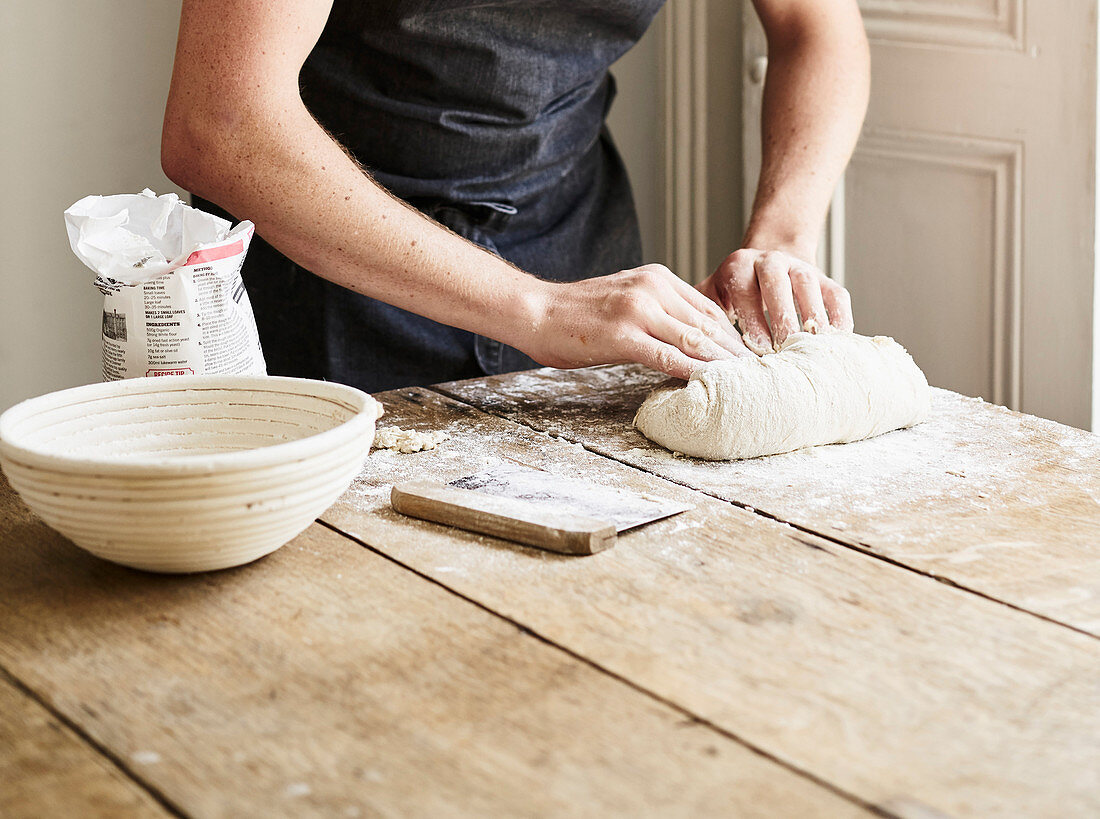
(647, 315)
(751, 281)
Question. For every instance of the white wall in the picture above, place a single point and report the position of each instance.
(82, 89)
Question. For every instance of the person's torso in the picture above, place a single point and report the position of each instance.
(469, 100)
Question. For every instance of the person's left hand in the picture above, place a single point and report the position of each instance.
(751, 281)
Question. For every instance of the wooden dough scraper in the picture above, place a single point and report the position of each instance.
(533, 507)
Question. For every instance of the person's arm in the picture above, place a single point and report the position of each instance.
(236, 132)
(815, 96)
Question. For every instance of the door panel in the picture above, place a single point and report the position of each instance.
(993, 23)
(959, 219)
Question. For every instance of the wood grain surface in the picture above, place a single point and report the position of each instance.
(326, 680)
(914, 695)
(46, 770)
(1002, 503)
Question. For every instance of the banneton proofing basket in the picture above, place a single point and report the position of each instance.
(186, 473)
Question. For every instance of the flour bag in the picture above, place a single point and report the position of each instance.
(173, 299)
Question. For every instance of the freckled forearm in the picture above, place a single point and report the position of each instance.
(312, 202)
(815, 98)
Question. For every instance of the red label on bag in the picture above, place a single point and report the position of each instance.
(212, 254)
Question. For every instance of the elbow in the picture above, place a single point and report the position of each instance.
(801, 26)
(177, 149)
(175, 161)
(193, 150)
(182, 158)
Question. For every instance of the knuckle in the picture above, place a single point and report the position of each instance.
(767, 269)
(645, 279)
(692, 339)
(801, 275)
(736, 263)
(627, 303)
(743, 256)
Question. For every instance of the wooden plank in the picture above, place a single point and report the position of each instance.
(999, 502)
(910, 693)
(47, 770)
(325, 680)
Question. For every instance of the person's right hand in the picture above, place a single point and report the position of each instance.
(646, 315)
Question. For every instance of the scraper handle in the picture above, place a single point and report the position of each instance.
(527, 522)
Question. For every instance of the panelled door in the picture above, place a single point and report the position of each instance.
(966, 223)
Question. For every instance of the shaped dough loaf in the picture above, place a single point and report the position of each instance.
(828, 388)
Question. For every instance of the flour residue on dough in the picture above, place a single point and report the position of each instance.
(818, 389)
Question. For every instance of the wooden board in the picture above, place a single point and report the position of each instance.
(325, 680)
(911, 694)
(1002, 503)
(47, 770)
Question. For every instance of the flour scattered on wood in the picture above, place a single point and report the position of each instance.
(408, 440)
(969, 458)
(297, 790)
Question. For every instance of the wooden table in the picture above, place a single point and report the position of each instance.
(906, 626)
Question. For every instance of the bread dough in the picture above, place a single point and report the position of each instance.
(825, 388)
(407, 440)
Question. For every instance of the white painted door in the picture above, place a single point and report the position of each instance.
(966, 224)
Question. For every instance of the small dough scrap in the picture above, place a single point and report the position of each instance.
(825, 388)
(407, 440)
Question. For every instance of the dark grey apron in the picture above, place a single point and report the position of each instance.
(488, 117)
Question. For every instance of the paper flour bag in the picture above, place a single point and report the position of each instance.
(173, 299)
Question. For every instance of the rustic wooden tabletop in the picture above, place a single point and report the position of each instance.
(906, 626)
